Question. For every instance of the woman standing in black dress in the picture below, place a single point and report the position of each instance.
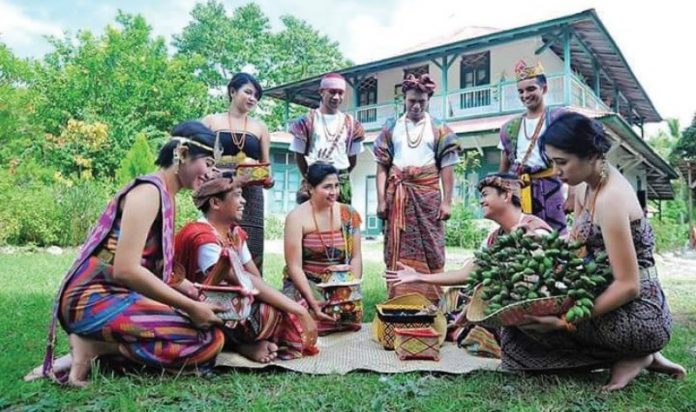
(245, 140)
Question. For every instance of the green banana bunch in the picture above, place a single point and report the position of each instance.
(517, 268)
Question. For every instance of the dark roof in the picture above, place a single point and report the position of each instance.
(591, 37)
(659, 185)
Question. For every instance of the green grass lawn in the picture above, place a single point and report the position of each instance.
(29, 282)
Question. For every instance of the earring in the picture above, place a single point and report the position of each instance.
(604, 173)
(176, 159)
(217, 148)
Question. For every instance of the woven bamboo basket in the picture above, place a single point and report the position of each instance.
(513, 315)
(379, 327)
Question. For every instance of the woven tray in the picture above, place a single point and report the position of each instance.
(513, 315)
(257, 173)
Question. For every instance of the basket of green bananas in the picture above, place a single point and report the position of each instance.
(534, 275)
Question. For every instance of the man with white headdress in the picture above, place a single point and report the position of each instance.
(328, 135)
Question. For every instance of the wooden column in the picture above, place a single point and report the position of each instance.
(689, 207)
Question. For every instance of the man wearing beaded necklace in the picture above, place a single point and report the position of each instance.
(414, 154)
(202, 248)
(328, 135)
(521, 153)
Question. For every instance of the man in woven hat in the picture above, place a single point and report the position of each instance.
(521, 149)
(500, 201)
(415, 153)
(328, 135)
(278, 326)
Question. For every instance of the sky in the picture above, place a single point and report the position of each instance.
(656, 38)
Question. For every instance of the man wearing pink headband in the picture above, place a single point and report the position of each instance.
(415, 154)
(328, 135)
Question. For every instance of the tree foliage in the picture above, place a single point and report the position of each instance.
(243, 41)
(138, 161)
(124, 79)
(226, 43)
(685, 147)
(18, 128)
(86, 116)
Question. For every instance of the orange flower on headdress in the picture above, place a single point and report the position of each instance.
(523, 71)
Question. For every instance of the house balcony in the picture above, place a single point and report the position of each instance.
(488, 100)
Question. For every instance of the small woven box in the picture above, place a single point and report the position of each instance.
(400, 317)
(338, 274)
(421, 343)
(236, 299)
(349, 311)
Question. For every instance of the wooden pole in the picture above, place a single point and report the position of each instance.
(691, 200)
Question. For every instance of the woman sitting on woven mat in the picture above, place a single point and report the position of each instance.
(319, 234)
(116, 299)
(214, 251)
(630, 321)
(500, 202)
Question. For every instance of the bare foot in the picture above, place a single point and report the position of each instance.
(61, 364)
(84, 351)
(262, 352)
(624, 371)
(660, 364)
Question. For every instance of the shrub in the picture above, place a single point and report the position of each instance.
(669, 236)
(43, 214)
(185, 209)
(138, 161)
(462, 229)
(274, 228)
(78, 208)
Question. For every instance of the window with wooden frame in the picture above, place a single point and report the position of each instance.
(474, 71)
(367, 96)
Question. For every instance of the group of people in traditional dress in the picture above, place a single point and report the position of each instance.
(132, 294)
(541, 151)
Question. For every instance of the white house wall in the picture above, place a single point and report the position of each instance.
(365, 167)
(503, 59)
(481, 140)
(505, 56)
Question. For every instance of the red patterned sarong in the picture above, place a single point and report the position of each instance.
(415, 236)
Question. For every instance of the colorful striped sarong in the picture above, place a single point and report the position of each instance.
(150, 332)
(268, 323)
(92, 304)
(415, 236)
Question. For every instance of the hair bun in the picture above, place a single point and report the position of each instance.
(577, 134)
(599, 140)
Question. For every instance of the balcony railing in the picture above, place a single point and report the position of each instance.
(485, 100)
